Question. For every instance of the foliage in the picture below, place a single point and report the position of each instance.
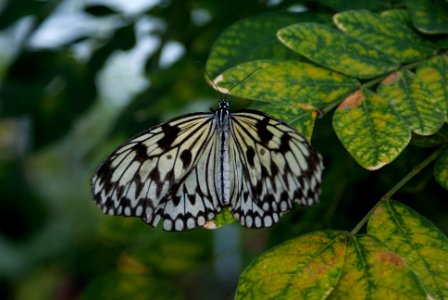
(401, 88)
(366, 80)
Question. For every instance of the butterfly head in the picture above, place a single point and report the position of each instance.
(224, 103)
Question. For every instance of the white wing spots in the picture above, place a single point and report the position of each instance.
(267, 221)
(139, 210)
(179, 225)
(167, 224)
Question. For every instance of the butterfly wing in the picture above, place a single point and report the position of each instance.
(196, 200)
(152, 176)
(274, 166)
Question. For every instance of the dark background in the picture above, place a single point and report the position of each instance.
(77, 80)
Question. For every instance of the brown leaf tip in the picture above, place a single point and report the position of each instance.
(391, 258)
(394, 77)
(352, 101)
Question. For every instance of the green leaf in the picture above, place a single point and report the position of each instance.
(392, 37)
(336, 50)
(411, 96)
(301, 119)
(307, 267)
(441, 169)
(370, 130)
(327, 264)
(254, 38)
(377, 273)
(286, 81)
(429, 16)
(400, 15)
(221, 219)
(434, 75)
(417, 241)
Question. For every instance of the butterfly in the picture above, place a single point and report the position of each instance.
(187, 170)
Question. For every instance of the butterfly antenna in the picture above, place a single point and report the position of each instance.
(215, 87)
(244, 79)
(224, 96)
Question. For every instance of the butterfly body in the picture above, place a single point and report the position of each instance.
(187, 170)
(222, 117)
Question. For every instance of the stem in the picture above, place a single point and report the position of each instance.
(399, 185)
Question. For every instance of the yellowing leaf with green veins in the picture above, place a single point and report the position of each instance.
(434, 75)
(301, 119)
(441, 169)
(372, 271)
(417, 241)
(254, 38)
(286, 81)
(429, 16)
(411, 96)
(372, 132)
(336, 50)
(307, 267)
(329, 265)
(392, 37)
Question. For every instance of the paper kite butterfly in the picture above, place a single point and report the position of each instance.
(187, 170)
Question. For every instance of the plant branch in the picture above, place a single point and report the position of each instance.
(398, 186)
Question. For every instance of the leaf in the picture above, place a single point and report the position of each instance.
(397, 14)
(413, 99)
(371, 271)
(370, 130)
(301, 119)
(392, 37)
(221, 219)
(434, 75)
(441, 169)
(307, 267)
(417, 241)
(286, 81)
(429, 16)
(336, 50)
(329, 264)
(254, 38)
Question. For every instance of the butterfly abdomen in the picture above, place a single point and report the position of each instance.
(223, 176)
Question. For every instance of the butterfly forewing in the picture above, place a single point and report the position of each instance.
(185, 171)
